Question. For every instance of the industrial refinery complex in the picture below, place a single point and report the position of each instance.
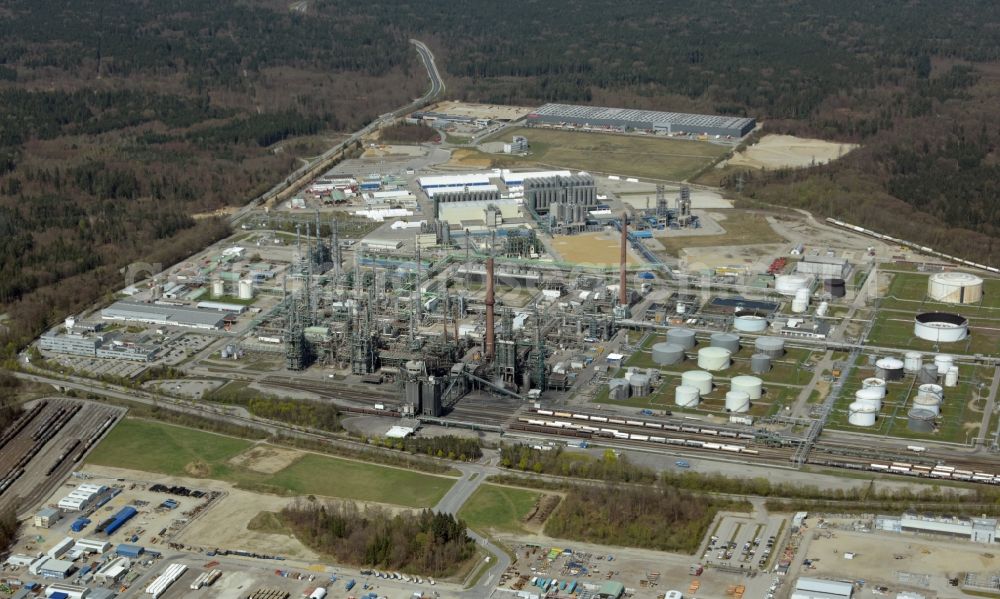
(553, 306)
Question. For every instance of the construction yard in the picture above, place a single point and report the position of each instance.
(788, 151)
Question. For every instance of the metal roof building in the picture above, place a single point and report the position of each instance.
(627, 118)
(161, 314)
(816, 588)
(470, 180)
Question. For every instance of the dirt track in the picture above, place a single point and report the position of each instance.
(777, 151)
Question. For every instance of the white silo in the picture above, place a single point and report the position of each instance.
(931, 389)
(737, 401)
(800, 305)
(699, 379)
(943, 363)
(872, 397)
(750, 323)
(751, 385)
(246, 289)
(713, 358)
(874, 383)
(955, 287)
(687, 396)
(218, 288)
(931, 403)
(822, 309)
(790, 284)
(912, 361)
(951, 377)
(860, 414)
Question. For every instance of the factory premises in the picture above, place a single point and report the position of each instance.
(548, 308)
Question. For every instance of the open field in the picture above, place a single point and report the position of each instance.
(593, 248)
(177, 451)
(496, 508)
(655, 158)
(743, 227)
(783, 151)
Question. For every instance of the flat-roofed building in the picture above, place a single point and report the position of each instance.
(644, 120)
(163, 315)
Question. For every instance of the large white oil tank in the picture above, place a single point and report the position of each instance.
(800, 305)
(246, 289)
(699, 379)
(218, 288)
(951, 377)
(750, 323)
(803, 294)
(737, 401)
(687, 396)
(931, 389)
(943, 363)
(713, 358)
(790, 284)
(890, 369)
(931, 403)
(940, 327)
(666, 354)
(874, 383)
(822, 309)
(861, 414)
(871, 396)
(753, 386)
(912, 361)
(955, 288)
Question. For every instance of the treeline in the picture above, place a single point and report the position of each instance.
(447, 446)
(423, 542)
(661, 518)
(610, 467)
(9, 408)
(298, 412)
(8, 528)
(408, 134)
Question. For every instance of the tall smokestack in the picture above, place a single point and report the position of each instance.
(489, 308)
(622, 295)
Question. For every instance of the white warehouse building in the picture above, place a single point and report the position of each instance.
(824, 266)
(977, 530)
(817, 588)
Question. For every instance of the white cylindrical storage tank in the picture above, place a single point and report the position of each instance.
(912, 361)
(713, 358)
(931, 389)
(822, 309)
(874, 383)
(681, 337)
(751, 385)
(666, 354)
(750, 323)
(803, 294)
(771, 346)
(955, 288)
(928, 402)
(800, 305)
(699, 379)
(319, 593)
(639, 385)
(728, 341)
(218, 288)
(940, 327)
(681, 308)
(687, 396)
(871, 396)
(943, 363)
(737, 401)
(790, 284)
(890, 369)
(760, 363)
(246, 289)
(951, 377)
(861, 414)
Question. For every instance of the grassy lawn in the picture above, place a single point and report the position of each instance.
(655, 158)
(498, 508)
(743, 227)
(163, 448)
(177, 451)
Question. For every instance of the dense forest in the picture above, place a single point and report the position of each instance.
(127, 126)
(664, 518)
(421, 542)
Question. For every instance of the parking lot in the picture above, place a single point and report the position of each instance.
(744, 544)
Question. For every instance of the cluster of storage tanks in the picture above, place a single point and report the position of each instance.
(635, 383)
(926, 404)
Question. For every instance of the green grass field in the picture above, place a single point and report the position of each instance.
(498, 508)
(177, 451)
(655, 158)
